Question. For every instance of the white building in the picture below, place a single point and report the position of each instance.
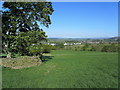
(65, 44)
(53, 44)
(72, 43)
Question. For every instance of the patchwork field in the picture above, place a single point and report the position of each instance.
(67, 69)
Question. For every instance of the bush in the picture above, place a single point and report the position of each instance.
(54, 48)
(85, 47)
(60, 45)
(110, 48)
(36, 50)
(100, 47)
(92, 48)
(105, 49)
(46, 48)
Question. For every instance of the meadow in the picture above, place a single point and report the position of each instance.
(67, 69)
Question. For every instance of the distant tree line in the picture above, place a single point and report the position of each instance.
(101, 47)
(94, 47)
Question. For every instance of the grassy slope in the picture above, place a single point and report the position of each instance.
(67, 69)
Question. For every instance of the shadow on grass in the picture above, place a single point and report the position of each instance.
(46, 58)
(3, 56)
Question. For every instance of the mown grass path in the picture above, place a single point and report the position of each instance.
(67, 69)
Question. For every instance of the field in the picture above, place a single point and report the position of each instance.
(67, 69)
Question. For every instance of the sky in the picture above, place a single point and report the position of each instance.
(83, 20)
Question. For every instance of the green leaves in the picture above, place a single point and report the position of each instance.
(20, 24)
(27, 13)
(29, 42)
(36, 49)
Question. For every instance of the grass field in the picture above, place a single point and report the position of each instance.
(67, 69)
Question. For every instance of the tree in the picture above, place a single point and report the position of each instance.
(23, 42)
(24, 17)
(60, 45)
(85, 47)
(105, 48)
(92, 48)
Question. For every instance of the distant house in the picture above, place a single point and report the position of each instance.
(53, 44)
(65, 44)
(72, 43)
(68, 44)
(48, 43)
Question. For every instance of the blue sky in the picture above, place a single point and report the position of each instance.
(83, 20)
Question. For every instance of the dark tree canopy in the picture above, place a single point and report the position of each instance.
(23, 17)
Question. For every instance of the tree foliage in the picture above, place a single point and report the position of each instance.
(21, 24)
(23, 41)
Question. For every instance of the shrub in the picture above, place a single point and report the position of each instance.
(92, 48)
(110, 48)
(36, 49)
(105, 49)
(46, 48)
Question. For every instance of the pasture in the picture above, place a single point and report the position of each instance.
(67, 69)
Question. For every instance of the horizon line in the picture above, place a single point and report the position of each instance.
(84, 37)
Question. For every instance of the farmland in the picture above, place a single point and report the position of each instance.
(67, 69)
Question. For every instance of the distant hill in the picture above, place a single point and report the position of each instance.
(115, 38)
(112, 38)
(105, 39)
